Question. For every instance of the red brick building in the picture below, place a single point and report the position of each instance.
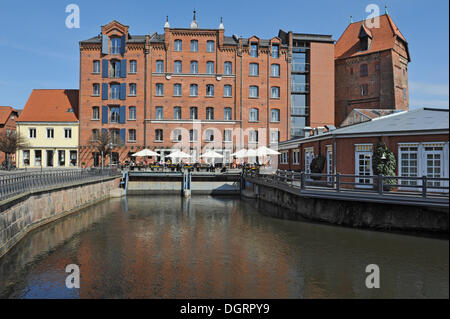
(418, 139)
(371, 68)
(8, 118)
(193, 89)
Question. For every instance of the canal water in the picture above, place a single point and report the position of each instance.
(216, 247)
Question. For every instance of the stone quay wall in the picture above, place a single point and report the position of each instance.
(376, 216)
(22, 214)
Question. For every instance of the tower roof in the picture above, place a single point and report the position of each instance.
(383, 38)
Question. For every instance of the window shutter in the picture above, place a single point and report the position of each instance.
(123, 135)
(104, 91)
(122, 116)
(123, 68)
(105, 114)
(104, 68)
(123, 91)
(123, 44)
(105, 44)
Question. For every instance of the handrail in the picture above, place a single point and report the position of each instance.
(15, 184)
(377, 183)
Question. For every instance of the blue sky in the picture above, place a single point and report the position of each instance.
(38, 51)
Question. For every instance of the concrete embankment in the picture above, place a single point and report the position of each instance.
(358, 214)
(21, 214)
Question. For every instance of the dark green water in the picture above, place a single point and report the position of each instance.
(213, 247)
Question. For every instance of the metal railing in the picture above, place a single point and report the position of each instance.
(18, 183)
(424, 187)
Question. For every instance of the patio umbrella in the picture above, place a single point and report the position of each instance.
(264, 151)
(145, 153)
(241, 154)
(211, 154)
(179, 154)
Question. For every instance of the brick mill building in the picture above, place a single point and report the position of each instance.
(195, 89)
(371, 65)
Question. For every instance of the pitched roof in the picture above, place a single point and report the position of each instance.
(383, 38)
(421, 120)
(51, 106)
(5, 113)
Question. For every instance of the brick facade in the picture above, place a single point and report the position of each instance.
(154, 51)
(372, 78)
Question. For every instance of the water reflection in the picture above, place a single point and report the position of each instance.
(209, 247)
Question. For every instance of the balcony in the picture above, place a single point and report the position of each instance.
(299, 88)
(299, 67)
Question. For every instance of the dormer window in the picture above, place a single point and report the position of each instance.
(115, 45)
(364, 43)
(365, 38)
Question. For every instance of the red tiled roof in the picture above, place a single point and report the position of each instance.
(5, 113)
(51, 106)
(383, 38)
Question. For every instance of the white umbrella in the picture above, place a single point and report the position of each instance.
(264, 151)
(179, 154)
(241, 154)
(252, 153)
(145, 153)
(211, 154)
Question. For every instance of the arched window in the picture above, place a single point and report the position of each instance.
(193, 136)
(193, 113)
(132, 113)
(210, 67)
(193, 90)
(96, 89)
(254, 115)
(178, 46)
(194, 46)
(96, 113)
(228, 68)
(159, 137)
(159, 89)
(210, 46)
(159, 115)
(275, 70)
(275, 115)
(210, 113)
(177, 89)
(227, 91)
(177, 113)
(227, 114)
(177, 67)
(254, 69)
(209, 90)
(254, 91)
(132, 89)
(160, 66)
(275, 92)
(194, 67)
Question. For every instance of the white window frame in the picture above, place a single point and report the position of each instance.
(363, 149)
(296, 157)
(309, 156)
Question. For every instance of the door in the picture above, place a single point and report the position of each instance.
(49, 158)
(363, 169)
(434, 167)
(330, 170)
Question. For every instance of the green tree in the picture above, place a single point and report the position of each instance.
(10, 142)
(384, 163)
